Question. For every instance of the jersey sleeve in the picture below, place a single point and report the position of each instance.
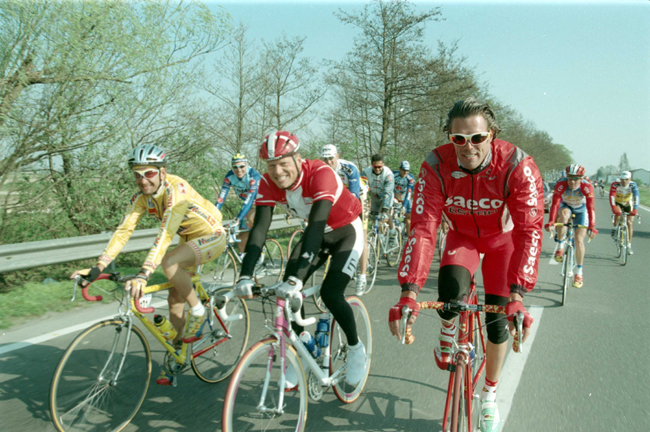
(526, 205)
(588, 192)
(354, 181)
(132, 216)
(325, 184)
(612, 196)
(555, 204)
(428, 202)
(635, 195)
(176, 207)
(225, 187)
(252, 193)
(265, 192)
(389, 188)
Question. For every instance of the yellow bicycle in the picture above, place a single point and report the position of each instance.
(103, 376)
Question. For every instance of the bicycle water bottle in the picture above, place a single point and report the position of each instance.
(323, 331)
(165, 327)
(309, 342)
(472, 355)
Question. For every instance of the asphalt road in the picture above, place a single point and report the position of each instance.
(586, 369)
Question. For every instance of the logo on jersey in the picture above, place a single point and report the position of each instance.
(407, 254)
(419, 203)
(308, 256)
(532, 197)
(252, 182)
(483, 207)
(452, 252)
(458, 174)
(533, 251)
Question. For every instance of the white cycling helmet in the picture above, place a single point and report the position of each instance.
(328, 151)
(626, 175)
(147, 154)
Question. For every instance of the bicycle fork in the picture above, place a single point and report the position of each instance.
(116, 373)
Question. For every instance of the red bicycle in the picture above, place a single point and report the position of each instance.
(462, 407)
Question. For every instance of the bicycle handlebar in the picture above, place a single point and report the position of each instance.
(115, 277)
(408, 337)
(220, 304)
(293, 304)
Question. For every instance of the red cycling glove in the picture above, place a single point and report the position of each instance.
(617, 211)
(633, 212)
(548, 226)
(594, 231)
(395, 313)
(515, 306)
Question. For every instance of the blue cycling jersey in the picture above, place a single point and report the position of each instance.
(404, 187)
(246, 188)
(350, 176)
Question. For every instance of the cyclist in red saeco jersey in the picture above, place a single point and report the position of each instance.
(311, 190)
(490, 192)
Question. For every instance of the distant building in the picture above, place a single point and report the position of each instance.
(641, 176)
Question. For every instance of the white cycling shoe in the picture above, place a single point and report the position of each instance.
(361, 286)
(357, 363)
(490, 420)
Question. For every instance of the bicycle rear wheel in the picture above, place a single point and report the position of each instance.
(269, 269)
(215, 356)
(339, 351)
(371, 268)
(97, 386)
(257, 374)
(624, 242)
(225, 274)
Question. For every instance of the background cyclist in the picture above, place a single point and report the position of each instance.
(479, 182)
(311, 190)
(351, 178)
(244, 180)
(404, 184)
(180, 210)
(573, 194)
(624, 195)
(382, 185)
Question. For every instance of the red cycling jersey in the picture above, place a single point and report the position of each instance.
(505, 195)
(317, 181)
(576, 199)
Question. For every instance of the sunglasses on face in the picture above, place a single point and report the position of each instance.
(149, 174)
(461, 140)
(238, 166)
(327, 159)
(376, 167)
(571, 178)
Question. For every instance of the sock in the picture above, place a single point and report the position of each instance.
(559, 245)
(198, 310)
(489, 390)
(579, 270)
(362, 277)
(448, 329)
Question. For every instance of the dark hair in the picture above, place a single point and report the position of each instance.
(470, 107)
(376, 158)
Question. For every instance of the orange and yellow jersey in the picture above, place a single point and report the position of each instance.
(180, 210)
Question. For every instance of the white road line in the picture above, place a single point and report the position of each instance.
(514, 368)
(55, 334)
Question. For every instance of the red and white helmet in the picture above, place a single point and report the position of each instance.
(575, 170)
(277, 145)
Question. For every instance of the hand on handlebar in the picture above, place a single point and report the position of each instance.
(395, 315)
(88, 275)
(511, 310)
(244, 287)
(593, 232)
(136, 286)
(549, 227)
(291, 286)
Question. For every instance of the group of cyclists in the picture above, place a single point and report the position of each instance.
(488, 191)
(574, 197)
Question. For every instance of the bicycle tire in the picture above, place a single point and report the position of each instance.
(225, 274)
(624, 245)
(394, 252)
(457, 404)
(617, 242)
(371, 268)
(215, 356)
(82, 394)
(269, 271)
(568, 255)
(240, 412)
(293, 241)
(345, 392)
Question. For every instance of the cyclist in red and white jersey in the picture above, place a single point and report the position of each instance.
(311, 190)
(490, 192)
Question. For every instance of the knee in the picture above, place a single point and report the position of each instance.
(497, 331)
(174, 299)
(453, 284)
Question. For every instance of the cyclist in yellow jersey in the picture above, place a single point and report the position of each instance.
(180, 210)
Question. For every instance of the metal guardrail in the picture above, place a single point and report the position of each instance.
(22, 256)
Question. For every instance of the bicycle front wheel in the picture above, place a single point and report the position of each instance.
(618, 242)
(339, 351)
(268, 270)
(215, 356)
(102, 379)
(568, 267)
(394, 251)
(225, 274)
(624, 242)
(256, 400)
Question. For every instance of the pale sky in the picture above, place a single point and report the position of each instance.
(578, 70)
